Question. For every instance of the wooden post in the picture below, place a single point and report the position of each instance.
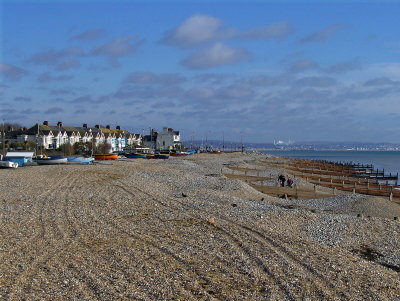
(354, 191)
(315, 190)
(391, 197)
(334, 190)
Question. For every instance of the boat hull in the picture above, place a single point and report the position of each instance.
(50, 161)
(136, 156)
(161, 156)
(106, 157)
(8, 164)
(179, 155)
(80, 160)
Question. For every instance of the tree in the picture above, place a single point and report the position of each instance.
(103, 148)
(83, 148)
(68, 149)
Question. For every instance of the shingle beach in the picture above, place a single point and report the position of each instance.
(178, 229)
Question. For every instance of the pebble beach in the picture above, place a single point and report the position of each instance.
(178, 229)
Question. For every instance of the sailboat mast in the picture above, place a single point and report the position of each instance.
(3, 141)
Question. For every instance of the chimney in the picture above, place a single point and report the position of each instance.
(59, 124)
(107, 126)
(118, 127)
(85, 125)
(45, 123)
(97, 126)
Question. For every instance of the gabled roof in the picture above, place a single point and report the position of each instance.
(42, 129)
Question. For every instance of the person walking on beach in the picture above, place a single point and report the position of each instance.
(290, 182)
(282, 180)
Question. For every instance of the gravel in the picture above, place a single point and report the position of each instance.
(177, 229)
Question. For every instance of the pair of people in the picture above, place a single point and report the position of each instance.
(282, 181)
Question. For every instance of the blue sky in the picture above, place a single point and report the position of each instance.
(261, 70)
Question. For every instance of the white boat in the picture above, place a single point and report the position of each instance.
(8, 164)
(51, 161)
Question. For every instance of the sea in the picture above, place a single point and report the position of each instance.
(387, 160)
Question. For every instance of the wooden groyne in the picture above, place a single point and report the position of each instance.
(339, 177)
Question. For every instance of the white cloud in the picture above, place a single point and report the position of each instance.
(195, 30)
(216, 55)
(201, 29)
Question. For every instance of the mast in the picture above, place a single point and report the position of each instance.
(3, 141)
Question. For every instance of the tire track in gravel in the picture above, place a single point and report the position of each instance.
(44, 243)
(262, 267)
(40, 230)
(36, 240)
(192, 274)
(324, 285)
(89, 283)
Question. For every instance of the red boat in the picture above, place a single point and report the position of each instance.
(180, 154)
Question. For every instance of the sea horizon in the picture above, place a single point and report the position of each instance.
(380, 159)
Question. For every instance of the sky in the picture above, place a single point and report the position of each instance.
(243, 70)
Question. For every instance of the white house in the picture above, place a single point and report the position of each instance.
(168, 139)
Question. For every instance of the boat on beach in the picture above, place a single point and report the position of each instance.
(136, 156)
(51, 160)
(105, 156)
(161, 156)
(8, 164)
(80, 160)
(179, 154)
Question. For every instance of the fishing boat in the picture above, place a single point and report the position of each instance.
(136, 156)
(80, 160)
(161, 156)
(8, 164)
(179, 154)
(106, 156)
(51, 160)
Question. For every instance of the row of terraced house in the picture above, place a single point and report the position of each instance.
(54, 136)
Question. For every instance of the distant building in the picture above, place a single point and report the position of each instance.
(167, 139)
(54, 136)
